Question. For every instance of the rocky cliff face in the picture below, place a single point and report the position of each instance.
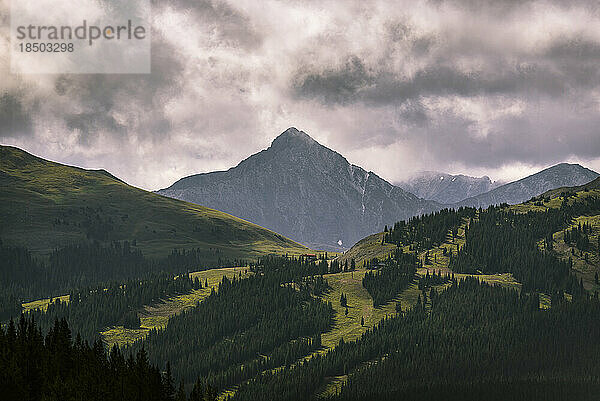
(305, 191)
(561, 175)
(445, 188)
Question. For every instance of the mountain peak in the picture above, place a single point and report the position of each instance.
(303, 189)
(290, 131)
(567, 166)
(293, 136)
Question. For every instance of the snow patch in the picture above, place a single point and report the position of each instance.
(362, 200)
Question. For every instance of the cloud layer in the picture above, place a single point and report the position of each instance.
(481, 87)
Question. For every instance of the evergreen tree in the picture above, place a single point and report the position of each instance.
(180, 396)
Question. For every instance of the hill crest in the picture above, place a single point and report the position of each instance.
(46, 205)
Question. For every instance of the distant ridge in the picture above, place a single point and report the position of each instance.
(560, 175)
(446, 188)
(313, 195)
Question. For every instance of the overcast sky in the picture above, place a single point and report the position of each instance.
(497, 87)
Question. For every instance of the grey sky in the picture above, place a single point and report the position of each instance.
(502, 88)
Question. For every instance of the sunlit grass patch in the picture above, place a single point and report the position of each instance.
(157, 316)
(42, 304)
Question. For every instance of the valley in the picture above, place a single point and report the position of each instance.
(362, 316)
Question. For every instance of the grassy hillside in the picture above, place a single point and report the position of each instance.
(366, 249)
(44, 205)
(586, 264)
(372, 247)
(555, 197)
(590, 186)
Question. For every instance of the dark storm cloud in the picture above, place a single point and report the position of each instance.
(413, 112)
(335, 85)
(478, 89)
(503, 7)
(353, 82)
(99, 97)
(577, 50)
(568, 62)
(512, 140)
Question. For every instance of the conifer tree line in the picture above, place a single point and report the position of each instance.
(24, 277)
(269, 319)
(428, 230)
(580, 237)
(34, 367)
(500, 241)
(473, 341)
(289, 268)
(117, 304)
(390, 277)
(434, 278)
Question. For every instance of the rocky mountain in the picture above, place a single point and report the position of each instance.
(446, 188)
(560, 175)
(305, 191)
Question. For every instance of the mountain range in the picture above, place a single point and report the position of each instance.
(446, 188)
(313, 195)
(296, 187)
(560, 175)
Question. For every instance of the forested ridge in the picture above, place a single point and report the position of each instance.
(476, 336)
(24, 277)
(391, 276)
(247, 325)
(470, 337)
(428, 230)
(90, 310)
(501, 241)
